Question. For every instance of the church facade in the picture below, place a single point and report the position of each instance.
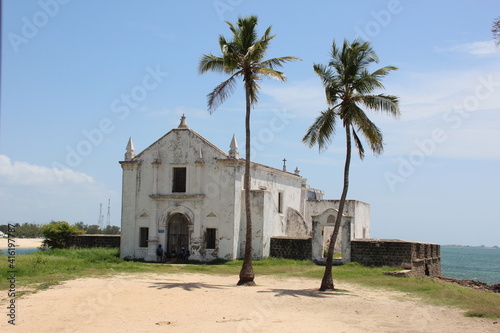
(184, 192)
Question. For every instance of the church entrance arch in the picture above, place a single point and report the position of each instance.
(178, 233)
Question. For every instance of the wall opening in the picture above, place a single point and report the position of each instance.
(178, 233)
(179, 180)
(211, 238)
(143, 237)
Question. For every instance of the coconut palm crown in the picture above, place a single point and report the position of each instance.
(242, 56)
(349, 89)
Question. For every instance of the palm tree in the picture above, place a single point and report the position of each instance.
(349, 87)
(242, 56)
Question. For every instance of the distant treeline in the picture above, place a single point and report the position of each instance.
(32, 230)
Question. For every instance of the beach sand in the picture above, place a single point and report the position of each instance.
(208, 303)
(22, 243)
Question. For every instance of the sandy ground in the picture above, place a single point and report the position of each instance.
(23, 243)
(206, 303)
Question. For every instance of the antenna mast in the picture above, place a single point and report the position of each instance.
(101, 217)
(108, 218)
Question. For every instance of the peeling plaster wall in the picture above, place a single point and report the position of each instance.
(214, 199)
(356, 221)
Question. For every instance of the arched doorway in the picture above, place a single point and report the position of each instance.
(178, 233)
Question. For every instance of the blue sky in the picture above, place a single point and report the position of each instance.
(81, 77)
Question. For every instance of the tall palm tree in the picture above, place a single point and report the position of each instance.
(242, 56)
(349, 87)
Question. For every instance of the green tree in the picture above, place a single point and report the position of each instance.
(349, 87)
(82, 226)
(94, 229)
(4, 228)
(111, 230)
(29, 230)
(243, 56)
(57, 234)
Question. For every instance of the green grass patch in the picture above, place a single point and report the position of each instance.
(41, 270)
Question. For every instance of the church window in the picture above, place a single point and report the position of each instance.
(179, 180)
(211, 237)
(280, 202)
(143, 237)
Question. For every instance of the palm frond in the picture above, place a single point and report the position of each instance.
(221, 93)
(359, 145)
(388, 104)
(252, 89)
(371, 133)
(381, 72)
(322, 130)
(209, 62)
(277, 75)
(277, 62)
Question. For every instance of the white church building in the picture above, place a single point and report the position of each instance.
(184, 192)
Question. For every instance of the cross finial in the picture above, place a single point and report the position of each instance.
(284, 164)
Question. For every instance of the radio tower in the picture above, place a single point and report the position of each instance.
(101, 217)
(108, 218)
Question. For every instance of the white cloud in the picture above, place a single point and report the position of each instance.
(302, 98)
(23, 173)
(40, 194)
(481, 48)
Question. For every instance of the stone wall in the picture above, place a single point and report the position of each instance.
(422, 259)
(87, 241)
(291, 248)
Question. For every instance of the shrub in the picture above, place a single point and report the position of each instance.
(57, 234)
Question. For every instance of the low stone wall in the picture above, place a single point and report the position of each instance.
(86, 241)
(291, 248)
(423, 259)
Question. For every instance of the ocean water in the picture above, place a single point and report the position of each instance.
(471, 263)
(21, 251)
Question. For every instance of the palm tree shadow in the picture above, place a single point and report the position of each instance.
(188, 286)
(306, 293)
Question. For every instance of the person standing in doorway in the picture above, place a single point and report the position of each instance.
(159, 253)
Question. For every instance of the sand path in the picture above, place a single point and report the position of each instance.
(22, 243)
(207, 303)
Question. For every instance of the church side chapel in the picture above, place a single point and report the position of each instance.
(185, 194)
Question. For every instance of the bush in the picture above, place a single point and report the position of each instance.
(57, 234)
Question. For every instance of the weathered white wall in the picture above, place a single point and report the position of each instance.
(214, 199)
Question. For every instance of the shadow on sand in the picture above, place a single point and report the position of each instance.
(306, 293)
(188, 286)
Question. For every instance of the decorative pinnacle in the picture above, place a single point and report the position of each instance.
(183, 122)
(233, 152)
(129, 155)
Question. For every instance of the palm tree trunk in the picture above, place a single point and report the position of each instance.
(327, 282)
(246, 274)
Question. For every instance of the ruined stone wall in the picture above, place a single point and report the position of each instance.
(291, 248)
(87, 241)
(423, 259)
